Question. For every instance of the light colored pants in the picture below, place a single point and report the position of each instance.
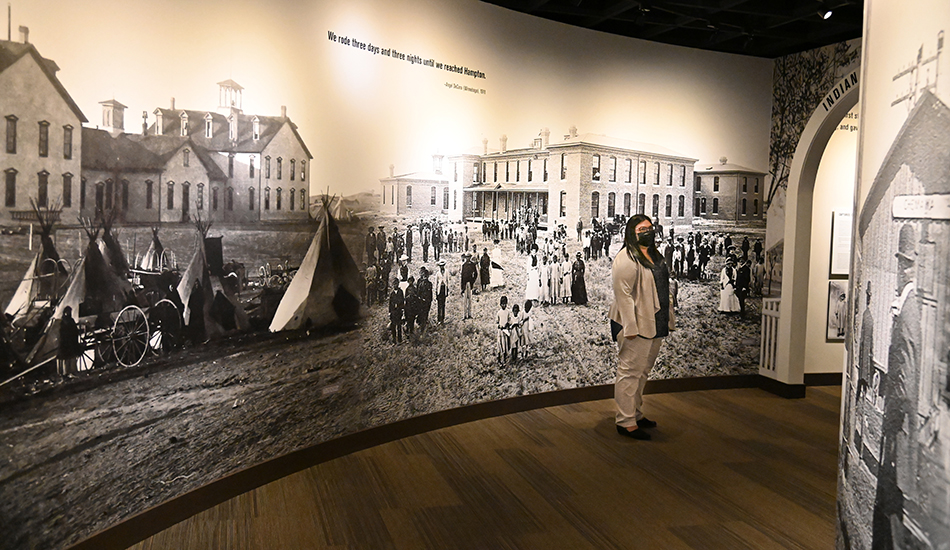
(636, 360)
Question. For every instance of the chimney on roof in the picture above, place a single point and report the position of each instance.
(484, 146)
(283, 111)
(504, 143)
(723, 160)
(572, 131)
(144, 123)
(173, 104)
(545, 137)
(392, 170)
(24, 34)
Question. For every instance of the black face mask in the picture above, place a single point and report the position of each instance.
(647, 238)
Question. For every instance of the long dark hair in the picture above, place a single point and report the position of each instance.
(633, 247)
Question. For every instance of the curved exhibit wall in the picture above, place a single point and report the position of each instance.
(894, 480)
(367, 85)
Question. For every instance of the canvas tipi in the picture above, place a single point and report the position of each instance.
(326, 288)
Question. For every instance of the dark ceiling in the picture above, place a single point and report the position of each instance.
(761, 28)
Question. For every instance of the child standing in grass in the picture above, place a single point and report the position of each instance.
(516, 327)
(503, 323)
(527, 329)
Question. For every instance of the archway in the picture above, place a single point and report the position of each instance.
(790, 352)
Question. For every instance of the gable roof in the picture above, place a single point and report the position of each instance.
(220, 137)
(100, 151)
(618, 143)
(11, 52)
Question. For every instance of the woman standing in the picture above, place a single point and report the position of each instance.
(639, 319)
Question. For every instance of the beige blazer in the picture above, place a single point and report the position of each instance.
(635, 298)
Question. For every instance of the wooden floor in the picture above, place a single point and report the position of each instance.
(726, 469)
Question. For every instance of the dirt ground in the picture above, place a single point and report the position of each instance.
(79, 456)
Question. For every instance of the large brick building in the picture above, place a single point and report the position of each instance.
(41, 157)
(728, 193)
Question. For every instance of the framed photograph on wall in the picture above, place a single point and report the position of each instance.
(840, 264)
(837, 319)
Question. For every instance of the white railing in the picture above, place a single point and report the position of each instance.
(769, 344)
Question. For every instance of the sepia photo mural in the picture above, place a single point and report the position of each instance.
(208, 206)
(894, 478)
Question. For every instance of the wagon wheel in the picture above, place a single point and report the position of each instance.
(130, 336)
(165, 322)
(87, 355)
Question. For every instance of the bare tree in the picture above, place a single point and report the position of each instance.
(800, 82)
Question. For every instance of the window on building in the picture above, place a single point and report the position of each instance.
(209, 126)
(279, 197)
(67, 142)
(544, 174)
(494, 172)
(626, 204)
(267, 198)
(656, 206)
(562, 204)
(11, 134)
(629, 163)
(303, 170)
(200, 199)
(475, 173)
(669, 206)
(293, 199)
(267, 167)
(169, 196)
(744, 207)
(100, 192)
(611, 204)
(507, 170)
(82, 193)
(110, 194)
(530, 171)
(184, 124)
(702, 205)
(681, 207)
(445, 198)
(715, 209)
(455, 199)
(682, 175)
(563, 166)
(280, 167)
(250, 198)
(67, 190)
(232, 128)
(696, 202)
(642, 166)
(44, 139)
(293, 172)
(409, 195)
(670, 167)
(303, 200)
(42, 190)
(699, 184)
(656, 175)
(229, 199)
(642, 203)
(432, 196)
(595, 205)
(185, 198)
(214, 199)
(543, 201)
(250, 167)
(595, 168)
(756, 188)
(149, 186)
(455, 171)
(517, 170)
(745, 184)
(484, 173)
(186, 158)
(124, 194)
(755, 206)
(230, 165)
(256, 129)
(716, 184)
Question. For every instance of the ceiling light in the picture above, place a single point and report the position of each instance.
(824, 14)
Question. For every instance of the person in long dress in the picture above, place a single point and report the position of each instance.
(555, 279)
(728, 301)
(497, 272)
(578, 284)
(545, 281)
(503, 330)
(566, 269)
(532, 289)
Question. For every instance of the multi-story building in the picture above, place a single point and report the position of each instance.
(582, 177)
(728, 193)
(219, 165)
(41, 158)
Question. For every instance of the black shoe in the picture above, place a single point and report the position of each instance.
(646, 423)
(636, 434)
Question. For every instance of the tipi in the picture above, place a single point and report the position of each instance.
(326, 288)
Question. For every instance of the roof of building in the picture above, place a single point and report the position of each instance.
(11, 52)
(439, 177)
(721, 168)
(220, 137)
(137, 153)
(619, 143)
